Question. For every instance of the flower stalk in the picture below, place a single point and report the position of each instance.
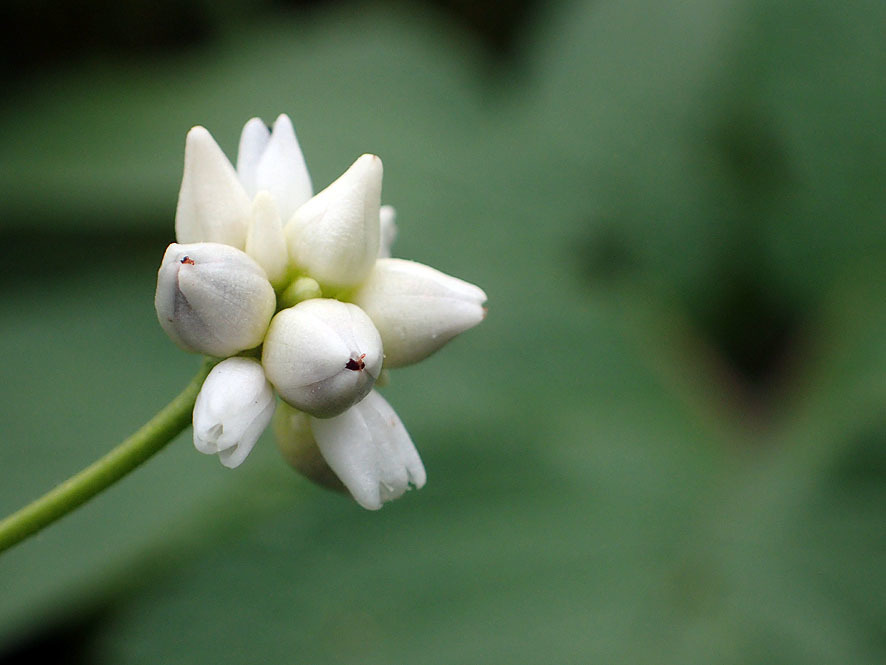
(101, 474)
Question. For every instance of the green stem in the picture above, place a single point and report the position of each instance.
(101, 474)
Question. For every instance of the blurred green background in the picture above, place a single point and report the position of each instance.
(667, 442)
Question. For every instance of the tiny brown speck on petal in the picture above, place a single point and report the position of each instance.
(356, 364)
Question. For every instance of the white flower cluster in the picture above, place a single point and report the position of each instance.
(300, 296)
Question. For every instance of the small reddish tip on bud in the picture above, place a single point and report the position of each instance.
(188, 260)
(356, 365)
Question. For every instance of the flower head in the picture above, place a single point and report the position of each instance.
(263, 262)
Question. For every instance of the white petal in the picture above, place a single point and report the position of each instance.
(322, 356)
(213, 299)
(334, 237)
(234, 407)
(387, 217)
(417, 309)
(212, 204)
(370, 450)
(253, 141)
(282, 170)
(265, 241)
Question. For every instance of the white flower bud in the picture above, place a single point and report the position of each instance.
(213, 299)
(273, 161)
(212, 204)
(387, 219)
(334, 237)
(265, 241)
(417, 309)
(370, 451)
(234, 407)
(322, 356)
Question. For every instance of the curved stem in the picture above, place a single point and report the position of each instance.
(104, 472)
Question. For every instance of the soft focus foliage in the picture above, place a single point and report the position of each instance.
(666, 442)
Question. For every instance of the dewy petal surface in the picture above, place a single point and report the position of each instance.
(235, 405)
(417, 309)
(212, 204)
(322, 356)
(334, 237)
(282, 171)
(370, 450)
(213, 299)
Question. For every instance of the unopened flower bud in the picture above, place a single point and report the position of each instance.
(322, 356)
(301, 288)
(334, 237)
(295, 440)
(234, 407)
(212, 204)
(370, 451)
(213, 299)
(417, 309)
(273, 161)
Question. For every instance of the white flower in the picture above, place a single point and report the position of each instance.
(234, 407)
(417, 309)
(213, 299)
(370, 451)
(334, 237)
(322, 355)
(255, 241)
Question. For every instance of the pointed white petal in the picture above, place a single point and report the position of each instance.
(334, 237)
(370, 450)
(417, 309)
(212, 204)
(387, 217)
(253, 141)
(282, 170)
(213, 299)
(265, 241)
(322, 356)
(234, 407)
